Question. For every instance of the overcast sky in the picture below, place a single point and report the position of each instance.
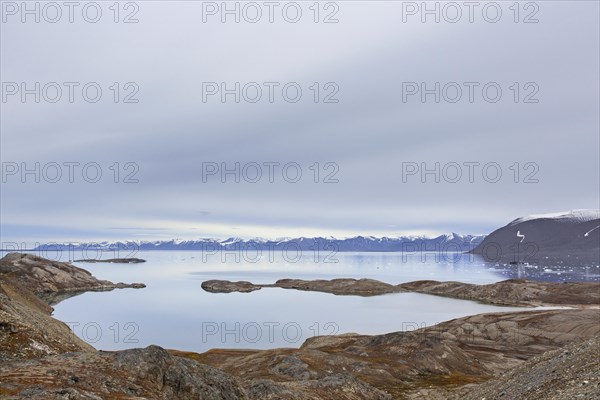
(361, 143)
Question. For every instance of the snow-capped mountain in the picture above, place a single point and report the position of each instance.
(573, 216)
(447, 242)
(570, 237)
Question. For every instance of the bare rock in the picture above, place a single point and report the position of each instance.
(138, 373)
(565, 374)
(29, 285)
(336, 386)
(26, 328)
(52, 281)
(453, 353)
(218, 286)
(512, 292)
(356, 287)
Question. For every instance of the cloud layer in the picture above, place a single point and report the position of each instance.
(364, 141)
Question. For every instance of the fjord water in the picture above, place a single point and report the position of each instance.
(174, 312)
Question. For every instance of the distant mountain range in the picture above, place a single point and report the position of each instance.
(447, 243)
(571, 237)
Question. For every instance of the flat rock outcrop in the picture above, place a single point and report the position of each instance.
(512, 292)
(150, 373)
(357, 287)
(336, 386)
(344, 286)
(219, 286)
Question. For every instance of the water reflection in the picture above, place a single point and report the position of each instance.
(174, 312)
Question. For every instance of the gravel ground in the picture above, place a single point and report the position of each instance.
(572, 372)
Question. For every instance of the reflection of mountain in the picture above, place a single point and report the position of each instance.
(568, 238)
(447, 243)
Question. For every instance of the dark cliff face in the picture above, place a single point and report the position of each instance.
(568, 239)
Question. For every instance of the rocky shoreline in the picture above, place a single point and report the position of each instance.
(471, 357)
(53, 281)
(512, 292)
(529, 354)
(439, 359)
(29, 286)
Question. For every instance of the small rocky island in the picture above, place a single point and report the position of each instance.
(132, 260)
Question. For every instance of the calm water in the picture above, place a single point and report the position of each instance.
(174, 312)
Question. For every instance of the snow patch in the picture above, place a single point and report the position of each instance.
(573, 215)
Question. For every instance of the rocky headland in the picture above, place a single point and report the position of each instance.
(52, 281)
(29, 286)
(41, 358)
